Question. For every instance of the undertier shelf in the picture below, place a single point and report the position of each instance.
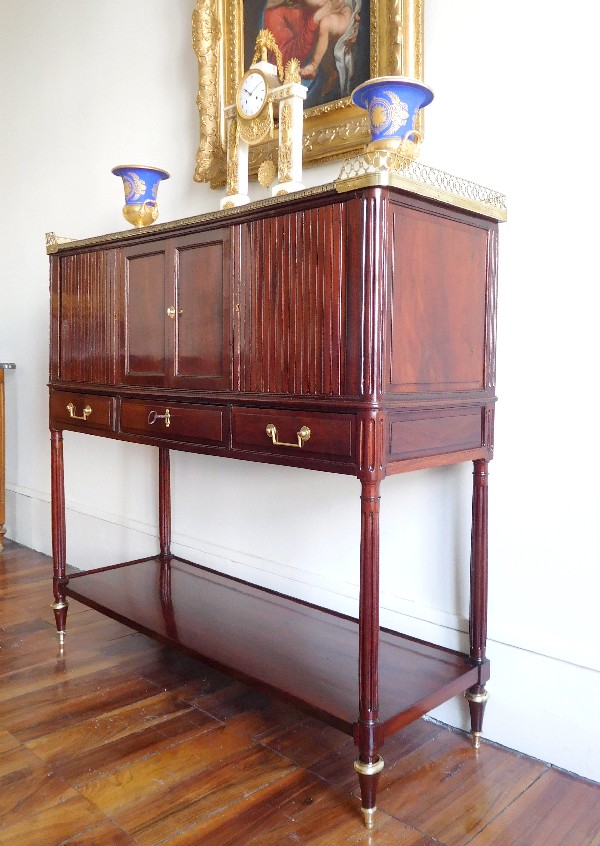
(306, 654)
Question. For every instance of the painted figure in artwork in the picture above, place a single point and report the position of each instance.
(332, 19)
(330, 39)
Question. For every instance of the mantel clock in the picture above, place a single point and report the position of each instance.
(265, 91)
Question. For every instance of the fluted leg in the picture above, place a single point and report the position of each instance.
(164, 501)
(164, 522)
(59, 581)
(369, 764)
(477, 695)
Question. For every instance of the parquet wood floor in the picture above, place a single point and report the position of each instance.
(121, 742)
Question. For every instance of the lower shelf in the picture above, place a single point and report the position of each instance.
(306, 654)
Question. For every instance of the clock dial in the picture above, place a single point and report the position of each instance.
(252, 94)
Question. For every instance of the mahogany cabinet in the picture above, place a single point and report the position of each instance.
(344, 332)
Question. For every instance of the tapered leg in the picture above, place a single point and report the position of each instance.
(59, 581)
(369, 764)
(477, 695)
(164, 522)
(164, 501)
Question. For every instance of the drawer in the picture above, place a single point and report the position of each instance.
(328, 436)
(174, 421)
(84, 411)
(416, 434)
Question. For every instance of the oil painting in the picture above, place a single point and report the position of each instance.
(338, 43)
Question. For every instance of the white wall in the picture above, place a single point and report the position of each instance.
(87, 86)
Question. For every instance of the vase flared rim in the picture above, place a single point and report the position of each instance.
(119, 168)
(383, 80)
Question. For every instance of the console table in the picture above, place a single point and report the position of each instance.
(347, 331)
(3, 366)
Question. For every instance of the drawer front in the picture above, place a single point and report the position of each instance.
(328, 436)
(174, 421)
(84, 411)
(414, 435)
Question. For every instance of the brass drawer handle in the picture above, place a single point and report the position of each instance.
(86, 412)
(302, 434)
(154, 416)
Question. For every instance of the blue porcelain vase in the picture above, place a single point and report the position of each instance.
(141, 186)
(392, 103)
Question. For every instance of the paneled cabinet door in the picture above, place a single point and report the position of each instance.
(177, 312)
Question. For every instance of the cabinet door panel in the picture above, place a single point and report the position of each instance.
(145, 274)
(202, 349)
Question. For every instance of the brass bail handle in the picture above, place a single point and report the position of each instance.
(86, 412)
(154, 416)
(303, 434)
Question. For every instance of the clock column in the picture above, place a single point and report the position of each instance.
(290, 97)
(237, 164)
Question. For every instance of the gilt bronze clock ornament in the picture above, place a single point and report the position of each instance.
(265, 91)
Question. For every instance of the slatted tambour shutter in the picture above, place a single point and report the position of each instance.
(293, 301)
(87, 317)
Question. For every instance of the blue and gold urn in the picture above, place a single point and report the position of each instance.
(141, 186)
(392, 103)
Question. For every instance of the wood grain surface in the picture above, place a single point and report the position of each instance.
(120, 741)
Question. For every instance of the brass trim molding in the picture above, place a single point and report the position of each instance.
(53, 242)
(369, 769)
(477, 698)
(384, 167)
(61, 244)
(380, 167)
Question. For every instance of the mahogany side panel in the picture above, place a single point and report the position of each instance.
(84, 325)
(439, 320)
(293, 302)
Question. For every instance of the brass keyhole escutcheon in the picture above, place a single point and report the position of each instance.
(171, 312)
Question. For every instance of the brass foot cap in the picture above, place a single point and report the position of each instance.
(369, 815)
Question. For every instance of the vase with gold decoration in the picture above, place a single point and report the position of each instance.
(392, 104)
(140, 183)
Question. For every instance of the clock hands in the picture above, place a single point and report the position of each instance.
(260, 82)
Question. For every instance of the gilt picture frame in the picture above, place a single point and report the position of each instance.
(379, 38)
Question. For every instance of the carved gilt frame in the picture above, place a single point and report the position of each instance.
(335, 130)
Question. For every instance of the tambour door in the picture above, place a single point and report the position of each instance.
(294, 304)
(83, 326)
(176, 312)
